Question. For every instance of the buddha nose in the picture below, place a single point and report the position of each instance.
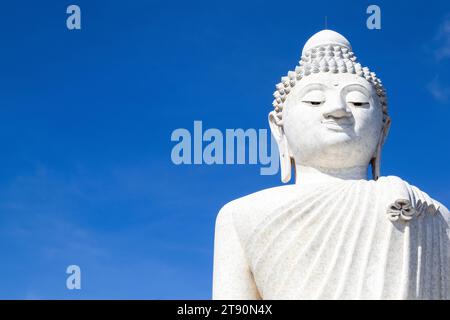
(336, 109)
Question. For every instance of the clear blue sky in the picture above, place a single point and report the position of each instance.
(86, 117)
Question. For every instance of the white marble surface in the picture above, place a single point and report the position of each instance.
(333, 234)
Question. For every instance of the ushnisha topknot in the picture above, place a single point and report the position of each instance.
(326, 51)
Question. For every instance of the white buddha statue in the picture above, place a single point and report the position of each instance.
(333, 234)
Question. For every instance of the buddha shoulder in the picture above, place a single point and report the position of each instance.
(246, 212)
(418, 198)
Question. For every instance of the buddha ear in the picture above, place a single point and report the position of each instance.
(276, 127)
(376, 160)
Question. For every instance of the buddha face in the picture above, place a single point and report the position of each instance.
(332, 121)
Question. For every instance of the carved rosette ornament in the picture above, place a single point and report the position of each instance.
(401, 209)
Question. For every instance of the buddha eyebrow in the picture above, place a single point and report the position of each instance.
(312, 86)
(356, 86)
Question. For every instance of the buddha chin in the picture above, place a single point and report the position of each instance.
(339, 153)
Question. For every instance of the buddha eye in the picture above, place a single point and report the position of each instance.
(357, 99)
(314, 103)
(314, 98)
(359, 104)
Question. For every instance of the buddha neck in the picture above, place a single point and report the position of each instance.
(313, 176)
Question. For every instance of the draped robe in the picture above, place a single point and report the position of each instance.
(337, 241)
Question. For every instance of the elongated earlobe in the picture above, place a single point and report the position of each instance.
(375, 164)
(285, 160)
(376, 160)
(276, 128)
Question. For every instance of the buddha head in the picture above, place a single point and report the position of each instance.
(330, 112)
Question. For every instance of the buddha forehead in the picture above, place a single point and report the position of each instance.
(335, 81)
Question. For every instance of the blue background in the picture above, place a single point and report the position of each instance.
(86, 116)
